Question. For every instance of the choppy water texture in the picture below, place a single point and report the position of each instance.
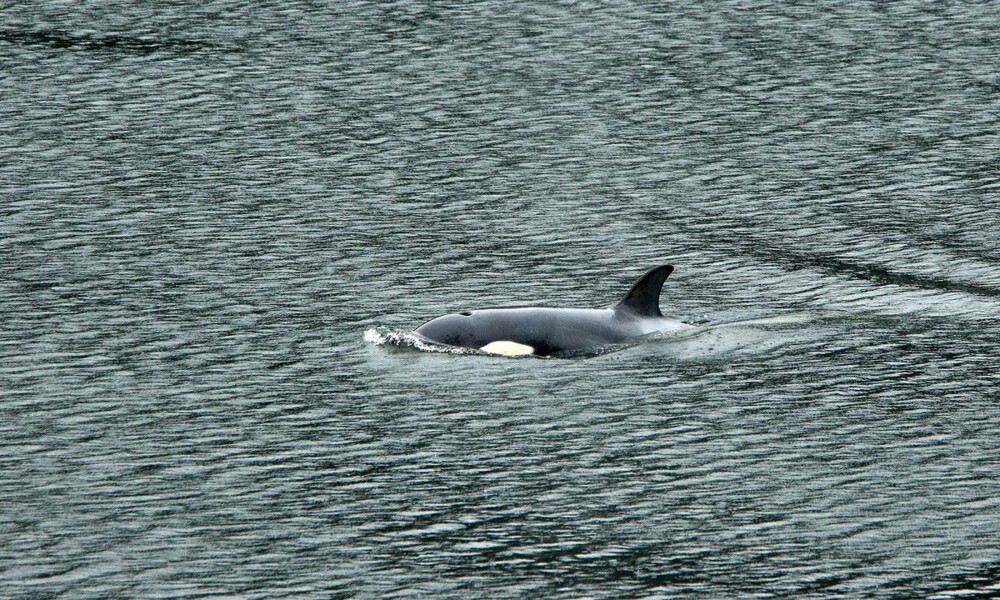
(203, 211)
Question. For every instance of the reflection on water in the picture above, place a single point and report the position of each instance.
(218, 226)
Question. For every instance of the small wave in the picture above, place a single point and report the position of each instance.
(407, 340)
(746, 336)
(787, 320)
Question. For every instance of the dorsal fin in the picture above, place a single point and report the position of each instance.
(644, 297)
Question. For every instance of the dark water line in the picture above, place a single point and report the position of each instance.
(111, 43)
(872, 273)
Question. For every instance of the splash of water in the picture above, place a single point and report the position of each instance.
(407, 340)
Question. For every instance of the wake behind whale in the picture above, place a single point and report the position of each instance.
(585, 333)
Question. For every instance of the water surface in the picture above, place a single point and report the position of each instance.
(204, 210)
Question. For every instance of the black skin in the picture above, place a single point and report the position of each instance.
(550, 331)
(560, 331)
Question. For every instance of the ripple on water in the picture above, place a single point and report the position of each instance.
(219, 227)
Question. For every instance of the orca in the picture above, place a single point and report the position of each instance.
(555, 332)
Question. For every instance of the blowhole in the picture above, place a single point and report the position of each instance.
(465, 314)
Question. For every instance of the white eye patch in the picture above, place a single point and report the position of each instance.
(507, 348)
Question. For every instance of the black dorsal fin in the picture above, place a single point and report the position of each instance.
(644, 297)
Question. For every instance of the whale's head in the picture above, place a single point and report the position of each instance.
(483, 330)
(456, 329)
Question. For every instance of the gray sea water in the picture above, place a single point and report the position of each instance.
(219, 220)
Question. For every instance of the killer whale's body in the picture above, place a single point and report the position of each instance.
(558, 331)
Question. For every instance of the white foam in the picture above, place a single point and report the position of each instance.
(384, 336)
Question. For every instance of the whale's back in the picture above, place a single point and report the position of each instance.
(546, 330)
